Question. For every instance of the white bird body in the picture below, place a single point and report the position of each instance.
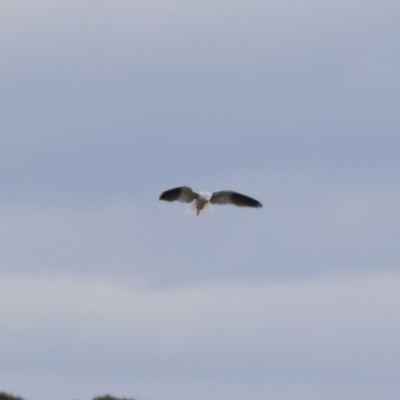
(201, 204)
(205, 195)
(201, 201)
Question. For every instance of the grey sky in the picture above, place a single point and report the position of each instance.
(104, 104)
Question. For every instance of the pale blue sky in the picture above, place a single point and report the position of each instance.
(103, 105)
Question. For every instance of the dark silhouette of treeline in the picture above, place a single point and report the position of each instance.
(8, 396)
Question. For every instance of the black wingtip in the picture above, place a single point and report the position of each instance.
(170, 195)
(245, 201)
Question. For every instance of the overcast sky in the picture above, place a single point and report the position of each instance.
(104, 289)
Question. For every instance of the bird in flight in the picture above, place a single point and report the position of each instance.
(201, 200)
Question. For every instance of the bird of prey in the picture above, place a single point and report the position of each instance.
(201, 200)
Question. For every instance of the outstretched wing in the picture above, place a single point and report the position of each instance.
(230, 197)
(184, 194)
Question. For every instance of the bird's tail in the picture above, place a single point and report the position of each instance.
(194, 210)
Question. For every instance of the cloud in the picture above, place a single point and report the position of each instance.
(100, 99)
(311, 225)
(104, 105)
(263, 335)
